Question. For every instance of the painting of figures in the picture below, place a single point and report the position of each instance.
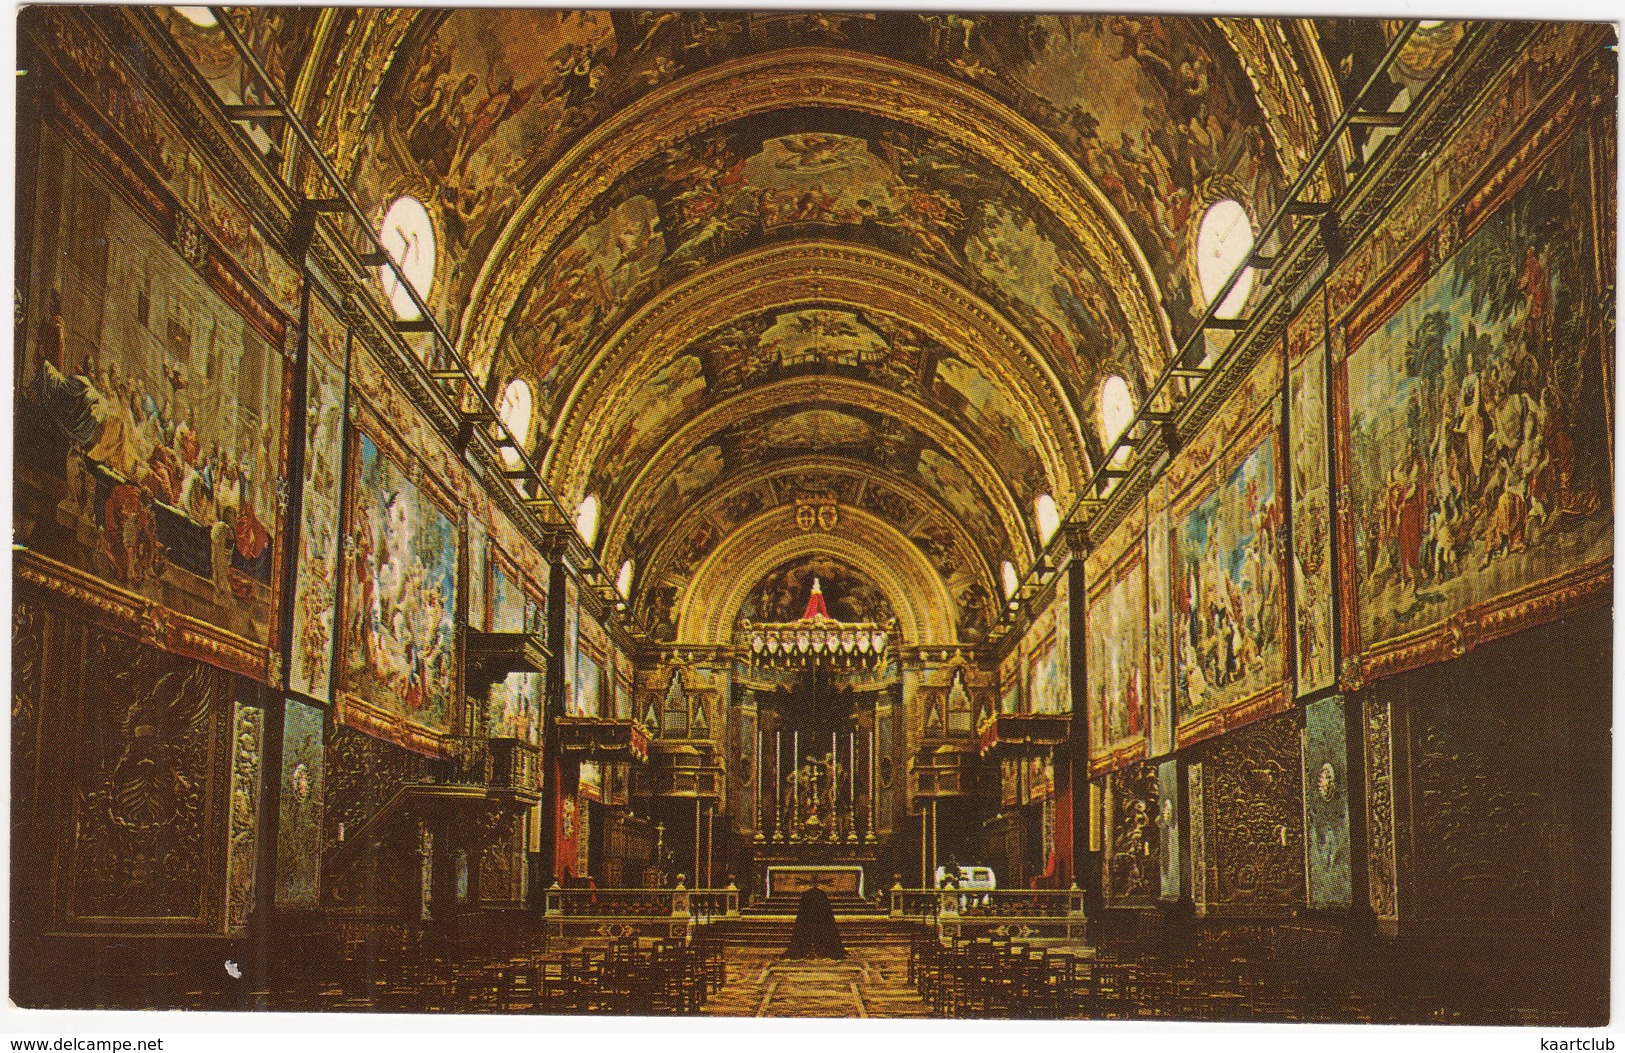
(1048, 652)
(848, 594)
(149, 415)
(316, 599)
(1476, 417)
(1168, 829)
(401, 592)
(1228, 589)
(1116, 662)
(515, 708)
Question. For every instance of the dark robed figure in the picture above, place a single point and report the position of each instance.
(815, 935)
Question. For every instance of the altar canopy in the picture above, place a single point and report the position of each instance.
(816, 638)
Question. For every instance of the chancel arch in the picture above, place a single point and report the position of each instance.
(964, 460)
(722, 583)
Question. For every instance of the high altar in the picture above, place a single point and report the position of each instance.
(814, 814)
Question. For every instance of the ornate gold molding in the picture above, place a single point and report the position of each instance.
(148, 621)
(825, 272)
(724, 579)
(645, 489)
(831, 79)
(762, 476)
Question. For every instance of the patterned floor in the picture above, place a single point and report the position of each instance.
(871, 982)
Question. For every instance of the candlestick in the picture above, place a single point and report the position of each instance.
(757, 774)
(852, 784)
(834, 769)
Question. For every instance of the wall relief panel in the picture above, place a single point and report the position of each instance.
(1254, 802)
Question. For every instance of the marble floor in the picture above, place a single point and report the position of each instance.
(871, 982)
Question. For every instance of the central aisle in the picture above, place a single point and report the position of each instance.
(871, 982)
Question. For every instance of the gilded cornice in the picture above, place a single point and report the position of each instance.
(723, 580)
(759, 477)
(645, 488)
(831, 79)
(1265, 50)
(779, 277)
(338, 89)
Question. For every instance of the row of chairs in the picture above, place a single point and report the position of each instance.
(625, 976)
(994, 978)
(1004, 979)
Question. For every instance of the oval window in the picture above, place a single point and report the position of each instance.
(1048, 517)
(1116, 409)
(623, 580)
(408, 236)
(514, 409)
(587, 519)
(1223, 243)
(1012, 581)
(198, 16)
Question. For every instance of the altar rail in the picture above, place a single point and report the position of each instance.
(614, 912)
(1012, 912)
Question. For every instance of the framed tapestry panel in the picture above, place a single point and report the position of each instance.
(400, 642)
(1229, 596)
(1473, 416)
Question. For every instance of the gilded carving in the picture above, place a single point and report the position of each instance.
(242, 854)
(1382, 864)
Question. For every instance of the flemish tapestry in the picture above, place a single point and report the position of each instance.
(516, 701)
(401, 591)
(1229, 599)
(1311, 524)
(1116, 663)
(151, 414)
(315, 608)
(1476, 419)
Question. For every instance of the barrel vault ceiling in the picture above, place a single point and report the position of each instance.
(881, 261)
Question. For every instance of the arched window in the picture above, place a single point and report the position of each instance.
(1048, 517)
(198, 16)
(514, 409)
(587, 519)
(1223, 242)
(408, 236)
(1114, 410)
(623, 580)
(1012, 581)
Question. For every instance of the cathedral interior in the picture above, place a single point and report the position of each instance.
(510, 506)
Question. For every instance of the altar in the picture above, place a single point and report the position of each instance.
(781, 873)
(834, 879)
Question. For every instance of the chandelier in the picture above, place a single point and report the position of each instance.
(815, 639)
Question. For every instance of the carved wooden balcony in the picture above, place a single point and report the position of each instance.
(605, 740)
(1013, 735)
(683, 771)
(489, 657)
(941, 772)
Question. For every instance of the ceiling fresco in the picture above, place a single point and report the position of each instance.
(839, 175)
(806, 340)
(743, 258)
